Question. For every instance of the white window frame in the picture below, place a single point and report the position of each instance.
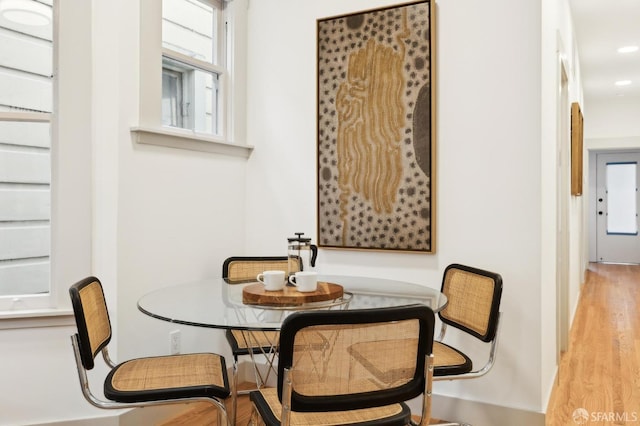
(71, 213)
(149, 129)
(26, 302)
(178, 119)
(189, 65)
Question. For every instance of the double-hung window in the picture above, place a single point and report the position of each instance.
(192, 75)
(193, 65)
(26, 103)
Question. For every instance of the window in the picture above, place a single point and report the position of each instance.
(622, 216)
(192, 75)
(26, 103)
(192, 65)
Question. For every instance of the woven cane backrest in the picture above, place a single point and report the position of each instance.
(371, 357)
(92, 318)
(242, 269)
(473, 300)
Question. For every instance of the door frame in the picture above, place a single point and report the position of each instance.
(563, 197)
(593, 195)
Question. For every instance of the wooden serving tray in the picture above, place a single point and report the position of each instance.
(255, 294)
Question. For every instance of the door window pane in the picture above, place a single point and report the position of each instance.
(621, 198)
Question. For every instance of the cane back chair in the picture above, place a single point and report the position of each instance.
(143, 381)
(474, 307)
(331, 386)
(242, 269)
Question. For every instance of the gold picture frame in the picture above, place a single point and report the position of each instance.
(376, 129)
(577, 141)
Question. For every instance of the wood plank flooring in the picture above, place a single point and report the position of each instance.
(599, 375)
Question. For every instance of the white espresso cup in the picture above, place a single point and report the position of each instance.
(305, 281)
(272, 280)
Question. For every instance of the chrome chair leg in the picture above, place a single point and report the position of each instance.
(234, 391)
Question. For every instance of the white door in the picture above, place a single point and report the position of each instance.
(617, 206)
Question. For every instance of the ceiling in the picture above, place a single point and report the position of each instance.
(602, 26)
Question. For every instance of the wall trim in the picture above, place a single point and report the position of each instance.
(36, 318)
(181, 139)
(112, 420)
(483, 414)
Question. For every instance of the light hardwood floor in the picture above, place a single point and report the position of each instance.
(600, 372)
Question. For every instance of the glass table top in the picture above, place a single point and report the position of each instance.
(216, 303)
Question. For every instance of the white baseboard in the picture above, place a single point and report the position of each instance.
(479, 413)
(151, 415)
(111, 420)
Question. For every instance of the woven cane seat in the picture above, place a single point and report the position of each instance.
(241, 340)
(449, 360)
(175, 376)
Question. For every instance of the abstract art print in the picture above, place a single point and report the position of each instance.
(375, 129)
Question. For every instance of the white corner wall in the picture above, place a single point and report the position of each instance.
(610, 124)
(174, 214)
(488, 165)
(608, 119)
(165, 216)
(158, 216)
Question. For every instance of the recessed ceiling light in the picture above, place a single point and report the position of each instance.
(628, 49)
(25, 12)
(623, 82)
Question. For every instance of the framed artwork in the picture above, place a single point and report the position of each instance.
(375, 129)
(577, 140)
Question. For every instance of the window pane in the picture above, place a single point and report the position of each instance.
(205, 102)
(188, 27)
(621, 198)
(171, 98)
(26, 54)
(190, 97)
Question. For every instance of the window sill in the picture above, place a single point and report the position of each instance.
(185, 139)
(36, 318)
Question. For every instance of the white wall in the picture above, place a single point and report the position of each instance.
(559, 54)
(178, 214)
(610, 124)
(158, 216)
(610, 119)
(488, 159)
(164, 215)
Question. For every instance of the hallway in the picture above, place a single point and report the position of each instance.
(599, 376)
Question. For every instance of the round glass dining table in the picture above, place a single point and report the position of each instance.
(217, 303)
